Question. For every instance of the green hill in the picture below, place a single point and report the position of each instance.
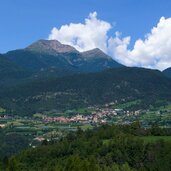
(107, 148)
(122, 84)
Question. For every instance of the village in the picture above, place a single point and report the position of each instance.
(52, 125)
(98, 115)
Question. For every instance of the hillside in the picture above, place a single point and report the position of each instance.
(107, 148)
(11, 72)
(167, 72)
(122, 84)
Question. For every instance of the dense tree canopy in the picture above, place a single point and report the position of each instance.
(107, 148)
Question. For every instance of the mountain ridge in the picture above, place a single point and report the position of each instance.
(74, 79)
(167, 72)
(95, 52)
(50, 46)
(52, 55)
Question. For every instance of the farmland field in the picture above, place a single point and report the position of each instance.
(151, 139)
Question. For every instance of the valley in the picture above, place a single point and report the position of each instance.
(51, 93)
(52, 126)
(85, 85)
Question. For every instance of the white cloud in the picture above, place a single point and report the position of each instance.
(91, 34)
(152, 52)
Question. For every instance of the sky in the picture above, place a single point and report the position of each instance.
(133, 32)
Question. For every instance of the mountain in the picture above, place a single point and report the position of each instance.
(10, 72)
(48, 75)
(51, 55)
(36, 61)
(50, 47)
(97, 60)
(167, 72)
(94, 54)
(83, 90)
(7, 64)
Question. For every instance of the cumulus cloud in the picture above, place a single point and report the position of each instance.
(154, 51)
(91, 34)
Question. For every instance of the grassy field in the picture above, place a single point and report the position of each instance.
(2, 110)
(150, 139)
(86, 126)
(147, 139)
(127, 104)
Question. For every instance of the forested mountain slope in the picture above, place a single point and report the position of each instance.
(87, 89)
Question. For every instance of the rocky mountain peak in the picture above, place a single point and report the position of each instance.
(50, 46)
(95, 53)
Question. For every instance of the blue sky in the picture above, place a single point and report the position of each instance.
(25, 21)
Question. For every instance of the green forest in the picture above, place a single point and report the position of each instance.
(105, 148)
(82, 90)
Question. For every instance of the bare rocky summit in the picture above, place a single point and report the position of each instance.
(95, 53)
(50, 46)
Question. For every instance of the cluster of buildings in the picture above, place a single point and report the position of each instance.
(3, 120)
(99, 115)
(62, 119)
(2, 125)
